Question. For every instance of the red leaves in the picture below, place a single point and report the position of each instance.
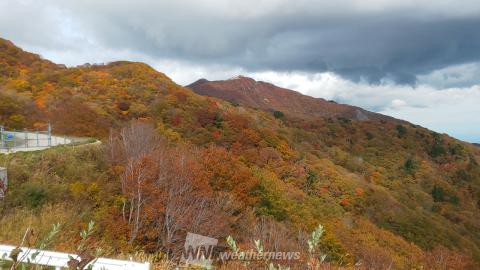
(344, 202)
(216, 134)
(181, 96)
(205, 117)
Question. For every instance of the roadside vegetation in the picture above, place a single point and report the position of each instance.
(172, 162)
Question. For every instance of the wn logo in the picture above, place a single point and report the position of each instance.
(199, 250)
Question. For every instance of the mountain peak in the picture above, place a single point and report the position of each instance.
(202, 80)
(246, 82)
(241, 77)
(268, 97)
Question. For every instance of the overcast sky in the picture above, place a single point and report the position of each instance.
(412, 59)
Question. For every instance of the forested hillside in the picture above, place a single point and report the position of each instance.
(389, 193)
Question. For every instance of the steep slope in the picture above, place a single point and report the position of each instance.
(86, 100)
(261, 95)
(388, 192)
(16, 62)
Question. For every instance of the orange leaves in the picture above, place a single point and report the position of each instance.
(216, 134)
(40, 101)
(118, 169)
(98, 86)
(41, 96)
(167, 189)
(74, 117)
(359, 191)
(375, 177)
(18, 84)
(40, 126)
(226, 173)
(250, 137)
(285, 149)
(237, 121)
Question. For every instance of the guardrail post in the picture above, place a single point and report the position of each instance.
(14, 138)
(49, 134)
(26, 138)
(2, 145)
(38, 141)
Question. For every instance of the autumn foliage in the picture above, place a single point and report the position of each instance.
(389, 193)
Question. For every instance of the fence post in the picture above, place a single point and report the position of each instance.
(49, 134)
(2, 145)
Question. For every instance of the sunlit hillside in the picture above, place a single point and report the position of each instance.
(389, 193)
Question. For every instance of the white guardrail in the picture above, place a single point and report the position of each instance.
(59, 260)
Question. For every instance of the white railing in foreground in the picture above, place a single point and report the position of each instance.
(59, 260)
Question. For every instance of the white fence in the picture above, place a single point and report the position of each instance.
(16, 141)
(59, 260)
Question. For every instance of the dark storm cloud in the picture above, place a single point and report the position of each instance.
(397, 44)
(370, 40)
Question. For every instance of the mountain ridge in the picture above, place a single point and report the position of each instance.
(269, 97)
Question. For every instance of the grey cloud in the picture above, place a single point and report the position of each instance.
(366, 40)
(453, 76)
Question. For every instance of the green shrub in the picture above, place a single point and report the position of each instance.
(312, 178)
(35, 195)
(278, 114)
(455, 200)
(409, 166)
(401, 131)
(234, 103)
(463, 175)
(438, 194)
(437, 150)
